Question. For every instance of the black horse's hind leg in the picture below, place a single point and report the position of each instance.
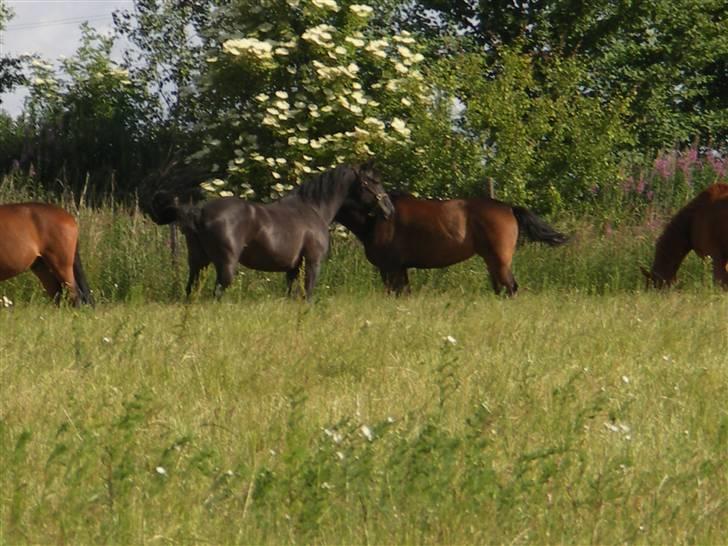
(197, 261)
(291, 276)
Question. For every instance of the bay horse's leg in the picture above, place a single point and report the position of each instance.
(387, 280)
(62, 269)
(395, 281)
(52, 285)
(400, 282)
(501, 275)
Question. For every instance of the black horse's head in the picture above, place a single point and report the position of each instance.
(369, 192)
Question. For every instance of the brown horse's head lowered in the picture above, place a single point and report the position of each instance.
(702, 226)
(44, 239)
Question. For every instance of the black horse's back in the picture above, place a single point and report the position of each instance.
(537, 229)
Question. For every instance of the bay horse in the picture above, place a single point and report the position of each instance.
(429, 233)
(278, 236)
(701, 226)
(44, 239)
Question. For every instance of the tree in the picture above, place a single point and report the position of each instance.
(87, 123)
(296, 87)
(670, 54)
(10, 67)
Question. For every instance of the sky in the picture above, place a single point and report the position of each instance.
(50, 28)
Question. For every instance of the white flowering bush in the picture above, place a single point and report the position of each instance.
(296, 87)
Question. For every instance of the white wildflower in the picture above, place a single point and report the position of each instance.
(367, 432)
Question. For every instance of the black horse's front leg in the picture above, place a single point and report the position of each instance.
(311, 276)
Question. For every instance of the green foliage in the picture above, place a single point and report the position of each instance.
(668, 56)
(10, 67)
(86, 124)
(549, 142)
(322, 86)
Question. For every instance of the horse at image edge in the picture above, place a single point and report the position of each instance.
(44, 239)
(701, 226)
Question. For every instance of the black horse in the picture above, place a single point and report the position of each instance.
(278, 236)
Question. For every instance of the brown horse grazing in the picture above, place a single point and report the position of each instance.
(44, 239)
(426, 233)
(702, 226)
(277, 236)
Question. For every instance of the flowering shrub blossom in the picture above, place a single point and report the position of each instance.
(301, 103)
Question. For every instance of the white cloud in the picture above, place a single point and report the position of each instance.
(51, 29)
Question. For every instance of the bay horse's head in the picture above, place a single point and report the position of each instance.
(368, 190)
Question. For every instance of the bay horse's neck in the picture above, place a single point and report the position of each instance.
(672, 246)
(359, 223)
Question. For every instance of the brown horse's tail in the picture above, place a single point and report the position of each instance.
(84, 292)
(537, 229)
(166, 208)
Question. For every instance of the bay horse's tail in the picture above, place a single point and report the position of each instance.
(536, 229)
(84, 292)
(166, 208)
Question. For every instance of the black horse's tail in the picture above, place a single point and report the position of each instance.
(537, 229)
(166, 208)
(84, 292)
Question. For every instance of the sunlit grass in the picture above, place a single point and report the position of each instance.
(552, 417)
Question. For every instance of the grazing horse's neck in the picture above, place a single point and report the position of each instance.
(672, 246)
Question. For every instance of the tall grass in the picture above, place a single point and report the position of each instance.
(585, 410)
(367, 419)
(128, 258)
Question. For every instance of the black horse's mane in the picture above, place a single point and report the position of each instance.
(324, 186)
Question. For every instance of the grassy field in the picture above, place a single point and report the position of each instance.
(584, 410)
(553, 417)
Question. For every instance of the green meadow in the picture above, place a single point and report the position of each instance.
(585, 410)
